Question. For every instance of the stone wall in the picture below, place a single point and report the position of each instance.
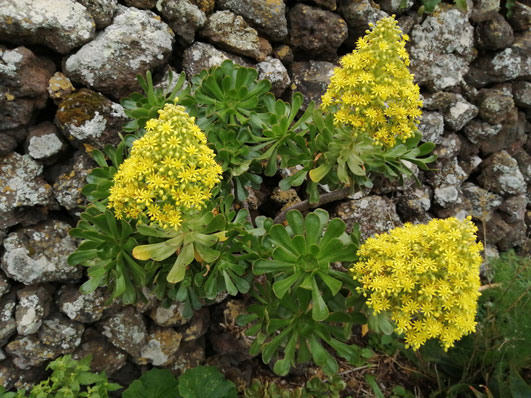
(65, 64)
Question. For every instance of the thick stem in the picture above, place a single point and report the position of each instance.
(306, 205)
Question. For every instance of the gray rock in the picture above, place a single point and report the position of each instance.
(316, 33)
(445, 172)
(459, 113)
(7, 143)
(329, 4)
(67, 188)
(105, 357)
(59, 86)
(495, 34)
(231, 33)
(28, 351)
(84, 308)
(524, 163)
(514, 208)
(39, 254)
(23, 85)
(189, 355)
(432, 127)
(125, 330)
(447, 196)
(183, 17)
(441, 49)
(44, 142)
(102, 11)
(8, 324)
(201, 56)
(61, 333)
(4, 284)
(494, 106)
(136, 41)
(168, 316)
(21, 186)
(520, 18)
(413, 204)
(359, 14)
(160, 348)
(284, 53)
(274, 71)
(503, 234)
(61, 25)
(449, 147)
(511, 136)
(500, 173)
(267, 16)
(522, 94)
(33, 306)
(145, 4)
(484, 10)
(9, 374)
(478, 202)
(510, 64)
(88, 117)
(477, 131)
(198, 326)
(395, 6)
(374, 214)
(311, 79)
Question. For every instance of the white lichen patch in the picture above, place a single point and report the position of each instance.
(44, 146)
(92, 128)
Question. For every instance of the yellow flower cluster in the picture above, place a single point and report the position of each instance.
(373, 90)
(426, 277)
(170, 171)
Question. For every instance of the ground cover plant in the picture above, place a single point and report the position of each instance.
(167, 212)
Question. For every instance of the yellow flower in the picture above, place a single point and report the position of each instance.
(426, 277)
(169, 173)
(377, 72)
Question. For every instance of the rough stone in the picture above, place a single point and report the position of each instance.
(39, 254)
(105, 357)
(514, 208)
(33, 306)
(441, 49)
(274, 71)
(9, 374)
(316, 33)
(160, 347)
(328, 4)
(395, 6)
(413, 203)
(184, 17)
(61, 333)
(61, 25)
(230, 32)
(358, 14)
(374, 214)
(28, 351)
(477, 131)
(494, 34)
(484, 10)
(59, 86)
(198, 326)
(125, 330)
(311, 79)
(500, 173)
(207, 6)
(432, 127)
(44, 142)
(169, 316)
(478, 202)
(189, 355)
(522, 94)
(23, 85)
(511, 136)
(88, 117)
(85, 308)
(201, 56)
(524, 163)
(267, 16)
(447, 196)
(449, 147)
(102, 11)
(143, 4)
(21, 186)
(8, 324)
(459, 113)
(494, 106)
(136, 41)
(67, 188)
(4, 284)
(503, 234)
(7, 143)
(284, 53)
(520, 18)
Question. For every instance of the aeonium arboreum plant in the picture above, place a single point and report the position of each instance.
(304, 299)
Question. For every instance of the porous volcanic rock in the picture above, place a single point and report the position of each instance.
(44, 142)
(201, 56)
(32, 307)
(184, 17)
(311, 79)
(125, 330)
(102, 11)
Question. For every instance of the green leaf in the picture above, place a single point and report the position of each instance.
(185, 257)
(271, 266)
(80, 256)
(322, 357)
(320, 172)
(296, 222)
(281, 287)
(333, 284)
(155, 383)
(518, 386)
(205, 382)
(319, 310)
(371, 381)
